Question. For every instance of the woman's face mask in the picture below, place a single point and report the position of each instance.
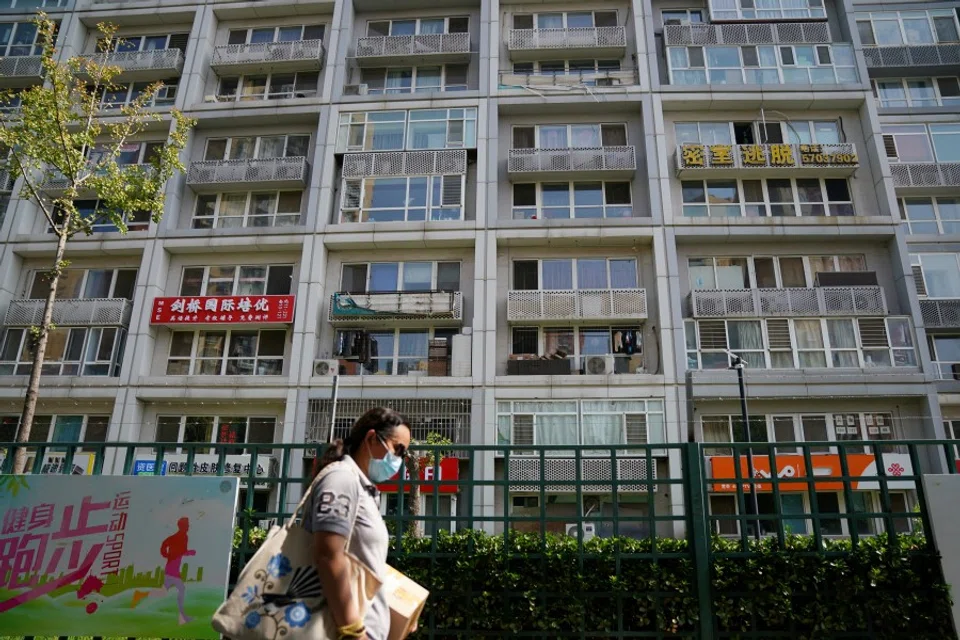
(382, 469)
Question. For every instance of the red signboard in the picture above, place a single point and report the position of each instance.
(223, 310)
(449, 470)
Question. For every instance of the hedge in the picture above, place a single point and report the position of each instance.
(549, 587)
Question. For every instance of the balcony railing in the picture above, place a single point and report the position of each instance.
(940, 314)
(582, 304)
(403, 163)
(250, 174)
(525, 44)
(21, 68)
(526, 474)
(301, 55)
(80, 312)
(606, 160)
(437, 47)
(837, 159)
(159, 63)
(755, 33)
(948, 370)
(943, 174)
(606, 364)
(397, 306)
(924, 55)
(815, 301)
(599, 79)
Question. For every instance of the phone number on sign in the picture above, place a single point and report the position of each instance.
(828, 158)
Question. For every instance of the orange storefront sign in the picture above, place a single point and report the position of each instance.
(823, 466)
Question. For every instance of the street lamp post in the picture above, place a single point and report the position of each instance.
(736, 362)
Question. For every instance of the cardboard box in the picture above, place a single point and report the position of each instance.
(406, 599)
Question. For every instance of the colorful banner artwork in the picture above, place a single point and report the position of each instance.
(859, 465)
(114, 555)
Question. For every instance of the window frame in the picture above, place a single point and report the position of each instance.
(92, 343)
(574, 270)
(415, 73)
(766, 206)
(276, 32)
(808, 270)
(916, 261)
(738, 12)
(938, 219)
(418, 23)
(690, 13)
(248, 215)
(360, 215)
(868, 17)
(267, 95)
(927, 134)
(195, 361)
(564, 16)
(115, 273)
(390, 365)
(36, 48)
(230, 141)
(785, 69)
(941, 100)
(217, 420)
(522, 212)
(576, 357)
(351, 120)
(166, 97)
(538, 144)
(401, 264)
(238, 268)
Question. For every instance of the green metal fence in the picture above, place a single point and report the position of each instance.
(675, 499)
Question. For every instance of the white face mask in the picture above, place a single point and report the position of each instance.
(382, 469)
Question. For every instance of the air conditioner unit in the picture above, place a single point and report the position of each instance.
(326, 368)
(586, 531)
(598, 365)
(460, 361)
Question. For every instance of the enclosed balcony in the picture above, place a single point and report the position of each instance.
(564, 164)
(940, 314)
(261, 57)
(632, 474)
(157, 64)
(402, 163)
(582, 305)
(794, 302)
(536, 44)
(763, 66)
(20, 71)
(413, 50)
(925, 175)
(438, 308)
(769, 160)
(75, 312)
(244, 175)
(757, 33)
(912, 56)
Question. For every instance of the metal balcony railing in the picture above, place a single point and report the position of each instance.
(20, 67)
(929, 174)
(396, 306)
(940, 314)
(403, 163)
(572, 160)
(582, 304)
(375, 48)
(815, 302)
(606, 38)
(305, 54)
(601, 78)
(261, 171)
(162, 61)
(748, 33)
(714, 157)
(78, 312)
(530, 472)
(923, 55)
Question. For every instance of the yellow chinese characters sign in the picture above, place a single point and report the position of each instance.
(693, 155)
(770, 156)
(814, 155)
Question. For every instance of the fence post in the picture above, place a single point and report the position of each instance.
(698, 534)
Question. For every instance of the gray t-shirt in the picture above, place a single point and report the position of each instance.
(330, 508)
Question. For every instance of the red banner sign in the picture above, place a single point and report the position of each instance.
(223, 310)
(794, 467)
(449, 470)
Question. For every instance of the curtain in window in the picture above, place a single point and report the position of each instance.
(432, 26)
(623, 274)
(557, 274)
(842, 335)
(556, 429)
(745, 335)
(732, 273)
(603, 429)
(592, 274)
(553, 137)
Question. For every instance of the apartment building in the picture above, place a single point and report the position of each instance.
(520, 224)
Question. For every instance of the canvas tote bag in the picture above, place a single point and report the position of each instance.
(278, 594)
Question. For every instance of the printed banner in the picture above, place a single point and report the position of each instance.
(223, 310)
(204, 464)
(824, 465)
(114, 555)
(449, 469)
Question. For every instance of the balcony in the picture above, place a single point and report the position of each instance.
(244, 175)
(78, 312)
(808, 302)
(769, 160)
(599, 42)
(19, 71)
(563, 81)
(912, 56)
(437, 308)
(590, 305)
(426, 48)
(925, 175)
(400, 163)
(759, 33)
(143, 65)
(940, 314)
(564, 164)
(525, 473)
(261, 57)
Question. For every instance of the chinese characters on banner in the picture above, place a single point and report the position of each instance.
(702, 156)
(223, 310)
(94, 550)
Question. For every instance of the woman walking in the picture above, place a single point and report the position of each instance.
(372, 452)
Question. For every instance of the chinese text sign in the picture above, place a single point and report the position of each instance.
(223, 310)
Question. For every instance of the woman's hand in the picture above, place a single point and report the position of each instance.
(334, 570)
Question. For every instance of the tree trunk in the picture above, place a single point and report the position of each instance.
(33, 387)
(413, 464)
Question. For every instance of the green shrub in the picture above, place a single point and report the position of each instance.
(551, 586)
